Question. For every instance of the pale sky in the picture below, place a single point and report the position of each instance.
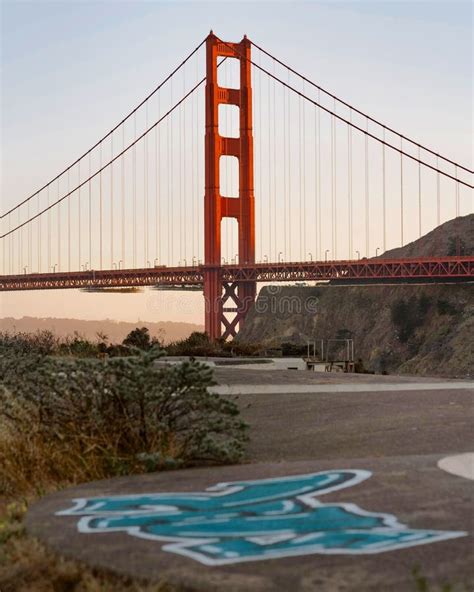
(72, 70)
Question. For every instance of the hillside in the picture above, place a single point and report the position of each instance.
(421, 329)
(447, 239)
(115, 330)
(398, 329)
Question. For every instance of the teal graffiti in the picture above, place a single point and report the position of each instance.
(254, 520)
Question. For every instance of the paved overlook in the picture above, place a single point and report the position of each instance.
(341, 491)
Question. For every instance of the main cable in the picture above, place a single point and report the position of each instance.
(366, 133)
(352, 108)
(103, 167)
(110, 132)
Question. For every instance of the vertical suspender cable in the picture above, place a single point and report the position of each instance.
(198, 176)
(335, 184)
(28, 234)
(122, 175)
(193, 221)
(168, 187)
(59, 232)
(68, 223)
(20, 248)
(260, 168)
(39, 237)
(274, 165)
(300, 181)
(145, 191)
(157, 190)
(384, 197)
(111, 202)
(316, 175)
(180, 187)
(285, 192)
(100, 207)
(320, 238)
(172, 174)
(48, 252)
(270, 248)
(290, 201)
(367, 205)
(349, 184)
(90, 214)
(20, 244)
(457, 192)
(401, 191)
(332, 189)
(79, 229)
(303, 211)
(438, 195)
(185, 216)
(419, 195)
(134, 196)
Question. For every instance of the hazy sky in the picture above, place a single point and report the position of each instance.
(71, 70)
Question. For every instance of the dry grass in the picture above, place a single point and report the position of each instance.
(27, 566)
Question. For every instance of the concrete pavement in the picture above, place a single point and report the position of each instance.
(387, 445)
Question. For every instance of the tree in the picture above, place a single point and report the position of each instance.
(139, 338)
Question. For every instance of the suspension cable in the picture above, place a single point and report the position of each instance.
(111, 131)
(329, 94)
(365, 132)
(103, 167)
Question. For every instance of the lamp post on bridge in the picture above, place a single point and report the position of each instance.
(120, 264)
(377, 251)
(280, 260)
(358, 254)
(310, 256)
(326, 254)
(54, 267)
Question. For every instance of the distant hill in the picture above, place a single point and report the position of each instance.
(115, 330)
(447, 239)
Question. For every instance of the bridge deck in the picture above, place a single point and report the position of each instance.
(437, 269)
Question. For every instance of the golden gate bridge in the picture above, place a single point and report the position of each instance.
(291, 183)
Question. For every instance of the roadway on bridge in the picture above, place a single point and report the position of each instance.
(367, 466)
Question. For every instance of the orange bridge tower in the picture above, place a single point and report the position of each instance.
(217, 292)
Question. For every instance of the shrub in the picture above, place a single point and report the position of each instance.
(66, 419)
(197, 344)
(42, 342)
(140, 338)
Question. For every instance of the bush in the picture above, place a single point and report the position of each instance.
(140, 338)
(67, 420)
(197, 344)
(41, 343)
